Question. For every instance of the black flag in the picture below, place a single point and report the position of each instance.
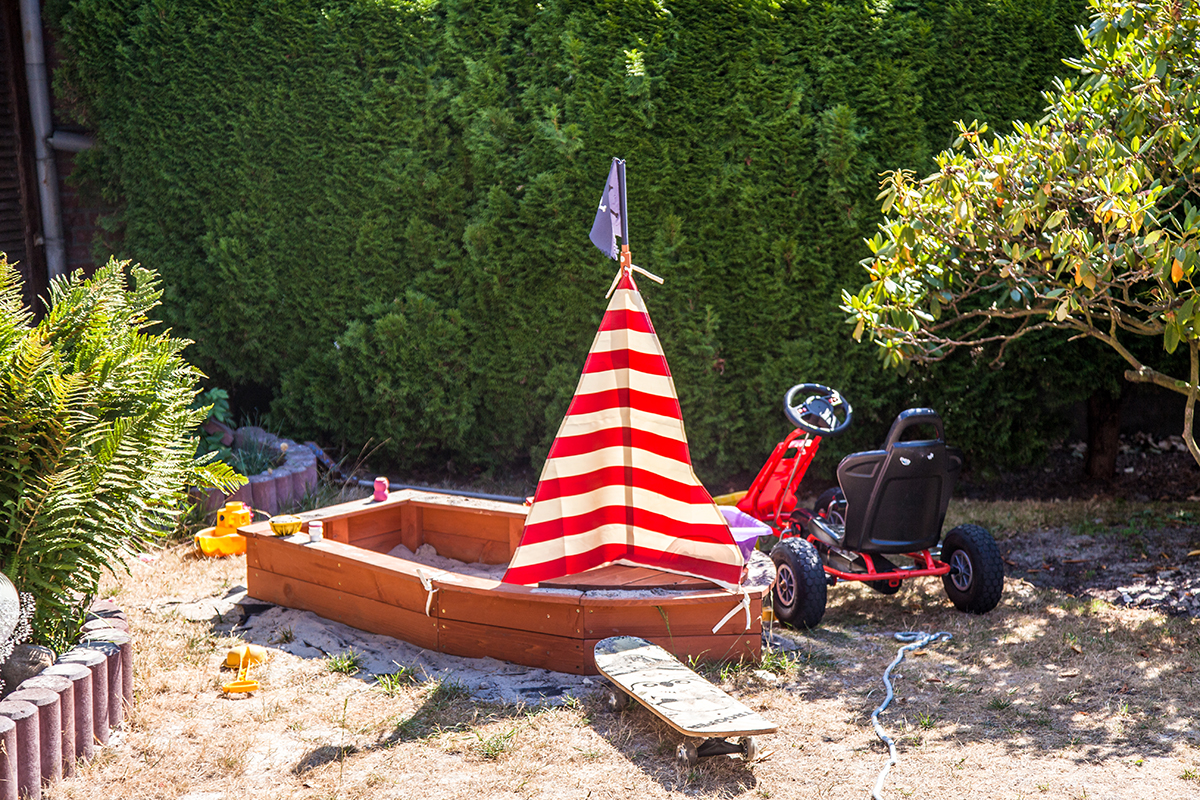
(611, 221)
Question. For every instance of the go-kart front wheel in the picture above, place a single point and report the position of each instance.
(799, 593)
(976, 578)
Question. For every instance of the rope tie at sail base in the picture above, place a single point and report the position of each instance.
(427, 585)
(744, 605)
(916, 641)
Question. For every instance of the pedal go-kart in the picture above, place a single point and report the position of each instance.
(881, 525)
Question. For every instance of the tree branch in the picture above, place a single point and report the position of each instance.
(1190, 408)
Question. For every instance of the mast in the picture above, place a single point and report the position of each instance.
(626, 256)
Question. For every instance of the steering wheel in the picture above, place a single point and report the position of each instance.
(818, 412)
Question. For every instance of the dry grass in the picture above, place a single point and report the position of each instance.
(1007, 517)
(1046, 697)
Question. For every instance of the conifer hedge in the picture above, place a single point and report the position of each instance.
(379, 209)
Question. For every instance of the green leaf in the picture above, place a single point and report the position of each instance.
(1171, 337)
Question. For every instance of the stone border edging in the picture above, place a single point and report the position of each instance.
(276, 488)
(57, 717)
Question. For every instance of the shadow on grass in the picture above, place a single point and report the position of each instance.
(320, 756)
(1044, 670)
(650, 744)
(445, 707)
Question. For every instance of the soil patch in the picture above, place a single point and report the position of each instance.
(1146, 470)
(1147, 569)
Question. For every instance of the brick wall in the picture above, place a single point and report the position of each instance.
(79, 215)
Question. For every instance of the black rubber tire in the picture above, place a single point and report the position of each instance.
(799, 592)
(686, 755)
(828, 498)
(615, 698)
(976, 580)
(883, 587)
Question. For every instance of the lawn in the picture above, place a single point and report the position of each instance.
(1052, 695)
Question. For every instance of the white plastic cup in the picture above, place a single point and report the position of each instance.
(316, 530)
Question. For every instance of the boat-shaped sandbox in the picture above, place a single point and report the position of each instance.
(350, 577)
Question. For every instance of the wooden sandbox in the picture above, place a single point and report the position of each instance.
(349, 578)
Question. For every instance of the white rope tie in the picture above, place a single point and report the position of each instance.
(916, 642)
(744, 605)
(635, 268)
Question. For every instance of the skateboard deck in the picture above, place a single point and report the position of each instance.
(674, 693)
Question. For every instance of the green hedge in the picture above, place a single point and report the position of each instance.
(379, 210)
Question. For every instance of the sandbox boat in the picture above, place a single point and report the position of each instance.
(621, 538)
(349, 577)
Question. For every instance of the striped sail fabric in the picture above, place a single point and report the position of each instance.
(618, 484)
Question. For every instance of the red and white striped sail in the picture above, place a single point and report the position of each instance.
(618, 484)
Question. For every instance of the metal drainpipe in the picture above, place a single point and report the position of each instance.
(39, 111)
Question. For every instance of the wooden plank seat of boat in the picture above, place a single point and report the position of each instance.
(620, 576)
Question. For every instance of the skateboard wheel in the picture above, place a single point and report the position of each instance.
(749, 748)
(615, 699)
(686, 755)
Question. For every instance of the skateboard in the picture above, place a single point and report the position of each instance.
(679, 697)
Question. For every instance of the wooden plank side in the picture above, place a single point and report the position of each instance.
(541, 613)
(516, 526)
(559, 653)
(410, 526)
(468, 506)
(385, 519)
(467, 548)
(336, 530)
(465, 523)
(353, 610)
(667, 616)
(380, 542)
(341, 567)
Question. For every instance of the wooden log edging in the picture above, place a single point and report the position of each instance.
(277, 488)
(59, 716)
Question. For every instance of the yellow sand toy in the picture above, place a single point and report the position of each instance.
(223, 539)
(243, 658)
(285, 524)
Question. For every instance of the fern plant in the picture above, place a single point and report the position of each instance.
(97, 437)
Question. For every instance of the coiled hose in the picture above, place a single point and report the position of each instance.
(915, 642)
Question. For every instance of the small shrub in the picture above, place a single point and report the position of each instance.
(392, 683)
(97, 437)
(254, 457)
(445, 692)
(496, 745)
(347, 663)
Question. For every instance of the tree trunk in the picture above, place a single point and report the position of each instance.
(1103, 430)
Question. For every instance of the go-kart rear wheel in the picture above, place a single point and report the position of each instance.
(976, 578)
(832, 506)
(799, 592)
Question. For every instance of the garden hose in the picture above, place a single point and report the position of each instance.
(915, 642)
